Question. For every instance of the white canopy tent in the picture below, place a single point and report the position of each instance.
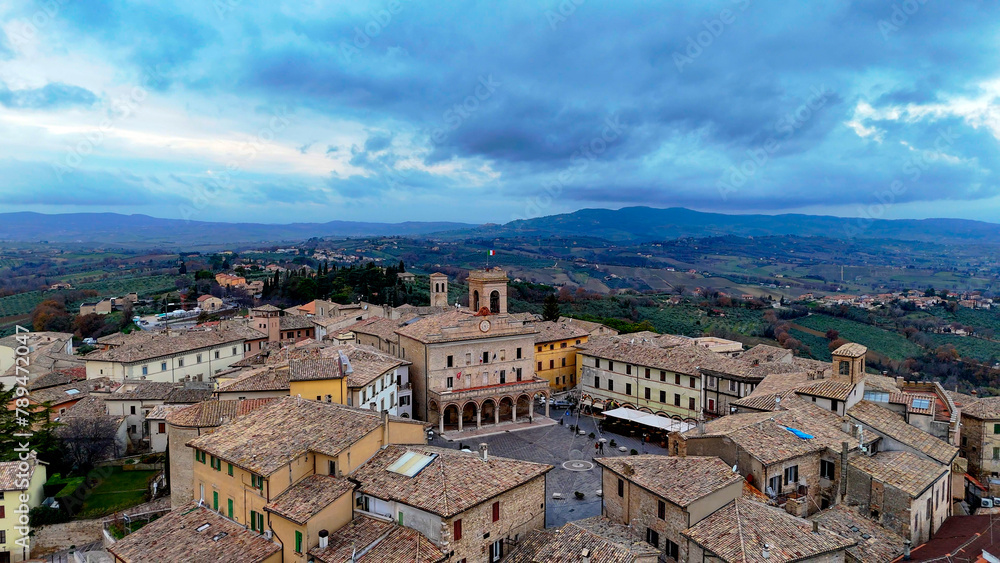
(653, 421)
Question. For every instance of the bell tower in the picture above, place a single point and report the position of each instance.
(488, 288)
(439, 290)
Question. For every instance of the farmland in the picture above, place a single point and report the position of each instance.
(891, 344)
(24, 303)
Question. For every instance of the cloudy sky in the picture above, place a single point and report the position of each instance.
(397, 110)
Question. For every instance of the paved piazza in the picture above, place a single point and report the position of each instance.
(570, 453)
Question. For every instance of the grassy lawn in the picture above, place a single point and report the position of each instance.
(885, 342)
(120, 490)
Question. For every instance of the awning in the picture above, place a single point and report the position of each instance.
(975, 482)
(650, 420)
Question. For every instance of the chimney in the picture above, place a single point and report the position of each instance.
(906, 550)
(484, 451)
(843, 472)
(585, 556)
(701, 427)
(324, 539)
(815, 526)
(845, 425)
(900, 380)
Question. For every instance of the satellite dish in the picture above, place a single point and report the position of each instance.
(735, 469)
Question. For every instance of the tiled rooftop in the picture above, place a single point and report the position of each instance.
(211, 413)
(987, 408)
(554, 331)
(176, 537)
(305, 499)
(681, 480)
(9, 474)
(261, 379)
(287, 428)
(68, 392)
(739, 531)
(452, 483)
(681, 358)
(875, 543)
(607, 541)
(885, 422)
(379, 542)
(902, 470)
(851, 350)
(142, 346)
(460, 325)
(827, 388)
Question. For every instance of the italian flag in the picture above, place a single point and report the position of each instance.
(491, 252)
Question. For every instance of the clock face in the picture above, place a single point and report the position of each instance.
(484, 326)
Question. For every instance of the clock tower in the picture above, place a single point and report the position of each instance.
(488, 288)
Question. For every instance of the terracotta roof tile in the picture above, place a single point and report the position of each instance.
(987, 408)
(380, 542)
(144, 346)
(261, 379)
(887, 423)
(553, 331)
(9, 478)
(903, 470)
(212, 413)
(608, 542)
(851, 350)
(176, 537)
(450, 484)
(305, 499)
(738, 532)
(462, 325)
(286, 428)
(681, 480)
(876, 544)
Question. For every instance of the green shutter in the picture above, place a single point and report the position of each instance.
(996, 428)
(215, 501)
(298, 541)
(253, 520)
(230, 470)
(230, 508)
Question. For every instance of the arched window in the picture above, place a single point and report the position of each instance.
(475, 300)
(495, 302)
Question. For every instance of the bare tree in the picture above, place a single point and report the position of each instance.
(89, 439)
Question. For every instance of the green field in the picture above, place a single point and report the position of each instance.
(24, 303)
(890, 344)
(969, 347)
(120, 490)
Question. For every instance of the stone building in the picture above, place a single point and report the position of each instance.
(980, 442)
(194, 355)
(189, 422)
(473, 366)
(906, 494)
(660, 496)
(746, 530)
(472, 505)
(598, 538)
(556, 345)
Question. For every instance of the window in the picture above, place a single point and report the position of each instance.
(216, 354)
(652, 537)
(257, 482)
(996, 428)
(539, 366)
(256, 521)
(215, 501)
(503, 376)
(199, 456)
(663, 376)
(677, 379)
(458, 529)
(647, 373)
(486, 357)
(663, 397)
(564, 362)
(539, 348)
(792, 475)
(298, 541)
(552, 346)
(921, 403)
(844, 368)
(661, 510)
(671, 549)
(496, 551)
(451, 361)
(552, 364)
(611, 385)
(691, 404)
(597, 382)
(145, 370)
(562, 345)
(451, 383)
(826, 469)
(234, 350)
(132, 409)
(774, 483)
(229, 504)
(163, 366)
(161, 427)
(711, 405)
(180, 362)
(628, 388)
(710, 381)
(877, 396)
(692, 384)
(597, 363)
(647, 393)
(230, 469)
(518, 353)
(677, 400)
(496, 511)
(621, 488)
(628, 369)
(733, 386)
(611, 366)
(996, 453)
(332, 467)
(197, 359)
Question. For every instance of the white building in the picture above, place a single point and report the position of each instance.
(188, 356)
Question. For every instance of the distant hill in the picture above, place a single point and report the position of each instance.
(632, 224)
(114, 228)
(647, 223)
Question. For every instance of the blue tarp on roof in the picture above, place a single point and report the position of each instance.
(800, 433)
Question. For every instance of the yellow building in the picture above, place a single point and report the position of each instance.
(243, 468)
(555, 352)
(322, 378)
(20, 491)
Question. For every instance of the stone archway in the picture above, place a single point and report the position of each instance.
(449, 417)
(489, 412)
(495, 302)
(505, 409)
(523, 408)
(475, 300)
(470, 416)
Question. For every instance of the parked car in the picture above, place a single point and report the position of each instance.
(560, 404)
